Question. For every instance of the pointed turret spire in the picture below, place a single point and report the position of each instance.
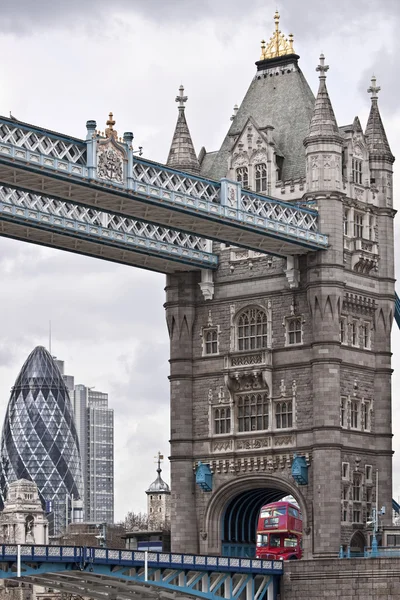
(323, 122)
(375, 134)
(182, 154)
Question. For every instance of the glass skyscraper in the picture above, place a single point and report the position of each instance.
(39, 440)
(95, 427)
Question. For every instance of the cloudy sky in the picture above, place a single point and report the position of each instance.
(67, 62)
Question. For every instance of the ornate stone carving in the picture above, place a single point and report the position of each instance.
(253, 444)
(222, 446)
(284, 440)
(109, 163)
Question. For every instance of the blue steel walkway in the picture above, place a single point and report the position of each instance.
(101, 573)
(103, 173)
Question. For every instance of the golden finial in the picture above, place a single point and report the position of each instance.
(110, 132)
(278, 44)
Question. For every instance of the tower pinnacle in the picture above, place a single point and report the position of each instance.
(182, 154)
(375, 134)
(181, 98)
(373, 88)
(322, 68)
(323, 122)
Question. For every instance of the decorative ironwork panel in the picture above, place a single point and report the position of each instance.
(54, 551)
(174, 181)
(68, 551)
(279, 211)
(39, 551)
(129, 555)
(113, 554)
(91, 216)
(45, 143)
(100, 553)
(176, 558)
(164, 557)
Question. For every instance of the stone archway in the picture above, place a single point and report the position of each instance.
(358, 542)
(257, 489)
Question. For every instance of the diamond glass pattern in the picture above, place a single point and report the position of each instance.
(39, 440)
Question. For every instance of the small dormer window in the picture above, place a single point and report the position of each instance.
(242, 176)
(357, 170)
(260, 172)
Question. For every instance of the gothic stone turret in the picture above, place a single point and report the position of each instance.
(289, 355)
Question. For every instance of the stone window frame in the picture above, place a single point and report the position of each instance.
(356, 332)
(260, 181)
(238, 340)
(357, 487)
(357, 170)
(288, 322)
(368, 471)
(264, 405)
(218, 420)
(353, 412)
(204, 332)
(242, 176)
(357, 514)
(288, 414)
(346, 471)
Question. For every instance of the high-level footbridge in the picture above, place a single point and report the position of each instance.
(95, 197)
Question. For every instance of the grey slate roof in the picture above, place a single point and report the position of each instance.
(323, 123)
(284, 101)
(375, 134)
(182, 155)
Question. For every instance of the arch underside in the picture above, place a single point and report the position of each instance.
(239, 520)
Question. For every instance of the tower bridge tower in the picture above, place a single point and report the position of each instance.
(282, 356)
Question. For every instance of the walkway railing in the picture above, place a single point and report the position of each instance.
(100, 161)
(369, 552)
(85, 555)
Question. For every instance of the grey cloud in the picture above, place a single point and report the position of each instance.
(25, 16)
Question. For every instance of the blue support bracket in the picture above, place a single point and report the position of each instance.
(300, 470)
(204, 477)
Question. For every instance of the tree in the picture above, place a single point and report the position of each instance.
(136, 521)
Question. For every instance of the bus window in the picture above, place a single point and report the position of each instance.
(274, 540)
(273, 512)
(262, 540)
(290, 541)
(293, 512)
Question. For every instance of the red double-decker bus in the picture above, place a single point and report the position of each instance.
(279, 532)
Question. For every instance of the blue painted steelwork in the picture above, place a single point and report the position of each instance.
(300, 470)
(69, 219)
(395, 506)
(204, 477)
(76, 569)
(76, 170)
(397, 309)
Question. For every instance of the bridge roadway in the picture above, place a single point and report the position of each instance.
(102, 173)
(125, 574)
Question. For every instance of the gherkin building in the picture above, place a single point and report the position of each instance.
(39, 440)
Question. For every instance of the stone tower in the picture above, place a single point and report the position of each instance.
(159, 501)
(23, 520)
(288, 356)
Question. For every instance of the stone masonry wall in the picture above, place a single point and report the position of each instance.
(347, 579)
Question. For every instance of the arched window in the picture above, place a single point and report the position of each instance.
(211, 341)
(242, 176)
(252, 328)
(284, 414)
(253, 412)
(354, 414)
(222, 420)
(260, 176)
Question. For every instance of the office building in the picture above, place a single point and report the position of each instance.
(39, 440)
